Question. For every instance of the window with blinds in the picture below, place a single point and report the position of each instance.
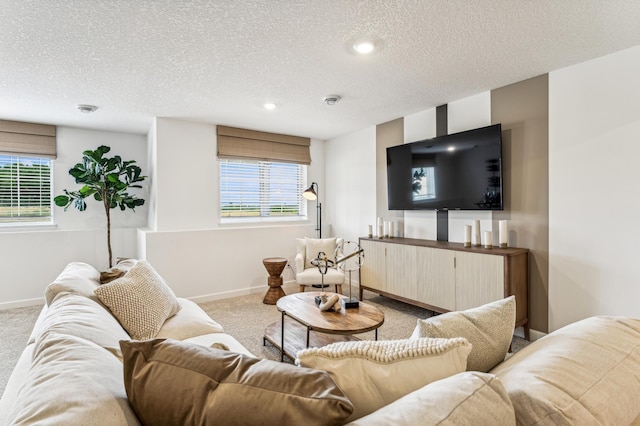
(25, 190)
(256, 190)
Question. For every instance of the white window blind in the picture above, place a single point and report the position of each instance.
(25, 190)
(261, 189)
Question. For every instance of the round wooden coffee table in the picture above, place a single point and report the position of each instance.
(301, 316)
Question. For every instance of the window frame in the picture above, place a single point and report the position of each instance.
(20, 159)
(301, 183)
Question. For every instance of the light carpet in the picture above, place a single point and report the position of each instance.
(244, 317)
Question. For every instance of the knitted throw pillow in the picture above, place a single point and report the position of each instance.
(140, 300)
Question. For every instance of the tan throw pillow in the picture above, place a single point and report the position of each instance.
(489, 329)
(374, 373)
(174, 382)
(140, 300)
(315, 246)
(122, 267)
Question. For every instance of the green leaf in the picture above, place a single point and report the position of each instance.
(62, 200)
(113, 177)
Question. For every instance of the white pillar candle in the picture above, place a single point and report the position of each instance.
(379, 221)
(380, 231)
(488, 243)
(467, 235)
(504, 234)
(391, 229)
(386, 229)
(476, 233)
(370, 234)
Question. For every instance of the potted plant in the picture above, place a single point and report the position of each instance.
(107, 180)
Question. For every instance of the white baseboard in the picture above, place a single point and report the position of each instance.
(533, 334)
(21, 303)
(235, 293)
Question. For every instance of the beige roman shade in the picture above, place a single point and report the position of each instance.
(234, 143)
(30, 139)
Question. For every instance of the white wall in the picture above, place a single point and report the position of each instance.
(200, 257)
(351, 191)
(594, 123)
(464, 114)
(209, 264)
(30, 258)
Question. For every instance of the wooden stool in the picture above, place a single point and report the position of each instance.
(274, 266)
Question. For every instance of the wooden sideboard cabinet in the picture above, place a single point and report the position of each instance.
(443, 276)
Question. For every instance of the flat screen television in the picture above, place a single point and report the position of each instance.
(460, 171)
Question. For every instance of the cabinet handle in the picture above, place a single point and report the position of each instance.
(454, 262)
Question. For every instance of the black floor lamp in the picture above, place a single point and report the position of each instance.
(312, 194)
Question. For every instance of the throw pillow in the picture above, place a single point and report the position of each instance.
(374, 373)
(140, 300)
(489, 329)
(317, 245)
(174, 382)
(78, 278)
(121, 268)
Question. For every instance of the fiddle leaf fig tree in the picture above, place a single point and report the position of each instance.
(107, 180)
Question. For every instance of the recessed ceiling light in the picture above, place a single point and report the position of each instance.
(364, 48)
(269, 106)
(87, 109)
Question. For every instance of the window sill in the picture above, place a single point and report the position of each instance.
(264, 221)
(14, 227)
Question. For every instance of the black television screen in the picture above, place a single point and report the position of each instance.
(461, 171)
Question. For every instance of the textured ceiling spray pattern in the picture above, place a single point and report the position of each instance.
(220, 61)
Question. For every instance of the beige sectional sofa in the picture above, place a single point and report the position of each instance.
(71, 371)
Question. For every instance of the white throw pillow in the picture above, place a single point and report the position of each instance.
(140, 300)
(374, 373)
(77, 277)
(489, 328)
(317, 245)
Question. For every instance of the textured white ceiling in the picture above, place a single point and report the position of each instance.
(219, 61)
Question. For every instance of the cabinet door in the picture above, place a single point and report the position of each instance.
(401, 270)
(436, 277)
(373, 272)
(479, 279)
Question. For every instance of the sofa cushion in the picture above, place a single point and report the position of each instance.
(189, 321)
(77, 277)
(469, 397)
(214, 339)
(489, 329)
(72, 382)
(174, 382)
(316, 245)
(584, 373)
(374, 373)
(74, 315)
(140, 300)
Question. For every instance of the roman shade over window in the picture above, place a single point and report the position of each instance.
(27, 139)
(234, 143)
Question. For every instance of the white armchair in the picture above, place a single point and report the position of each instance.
(306, 274)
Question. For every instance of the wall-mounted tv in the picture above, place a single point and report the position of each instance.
(460, 171)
